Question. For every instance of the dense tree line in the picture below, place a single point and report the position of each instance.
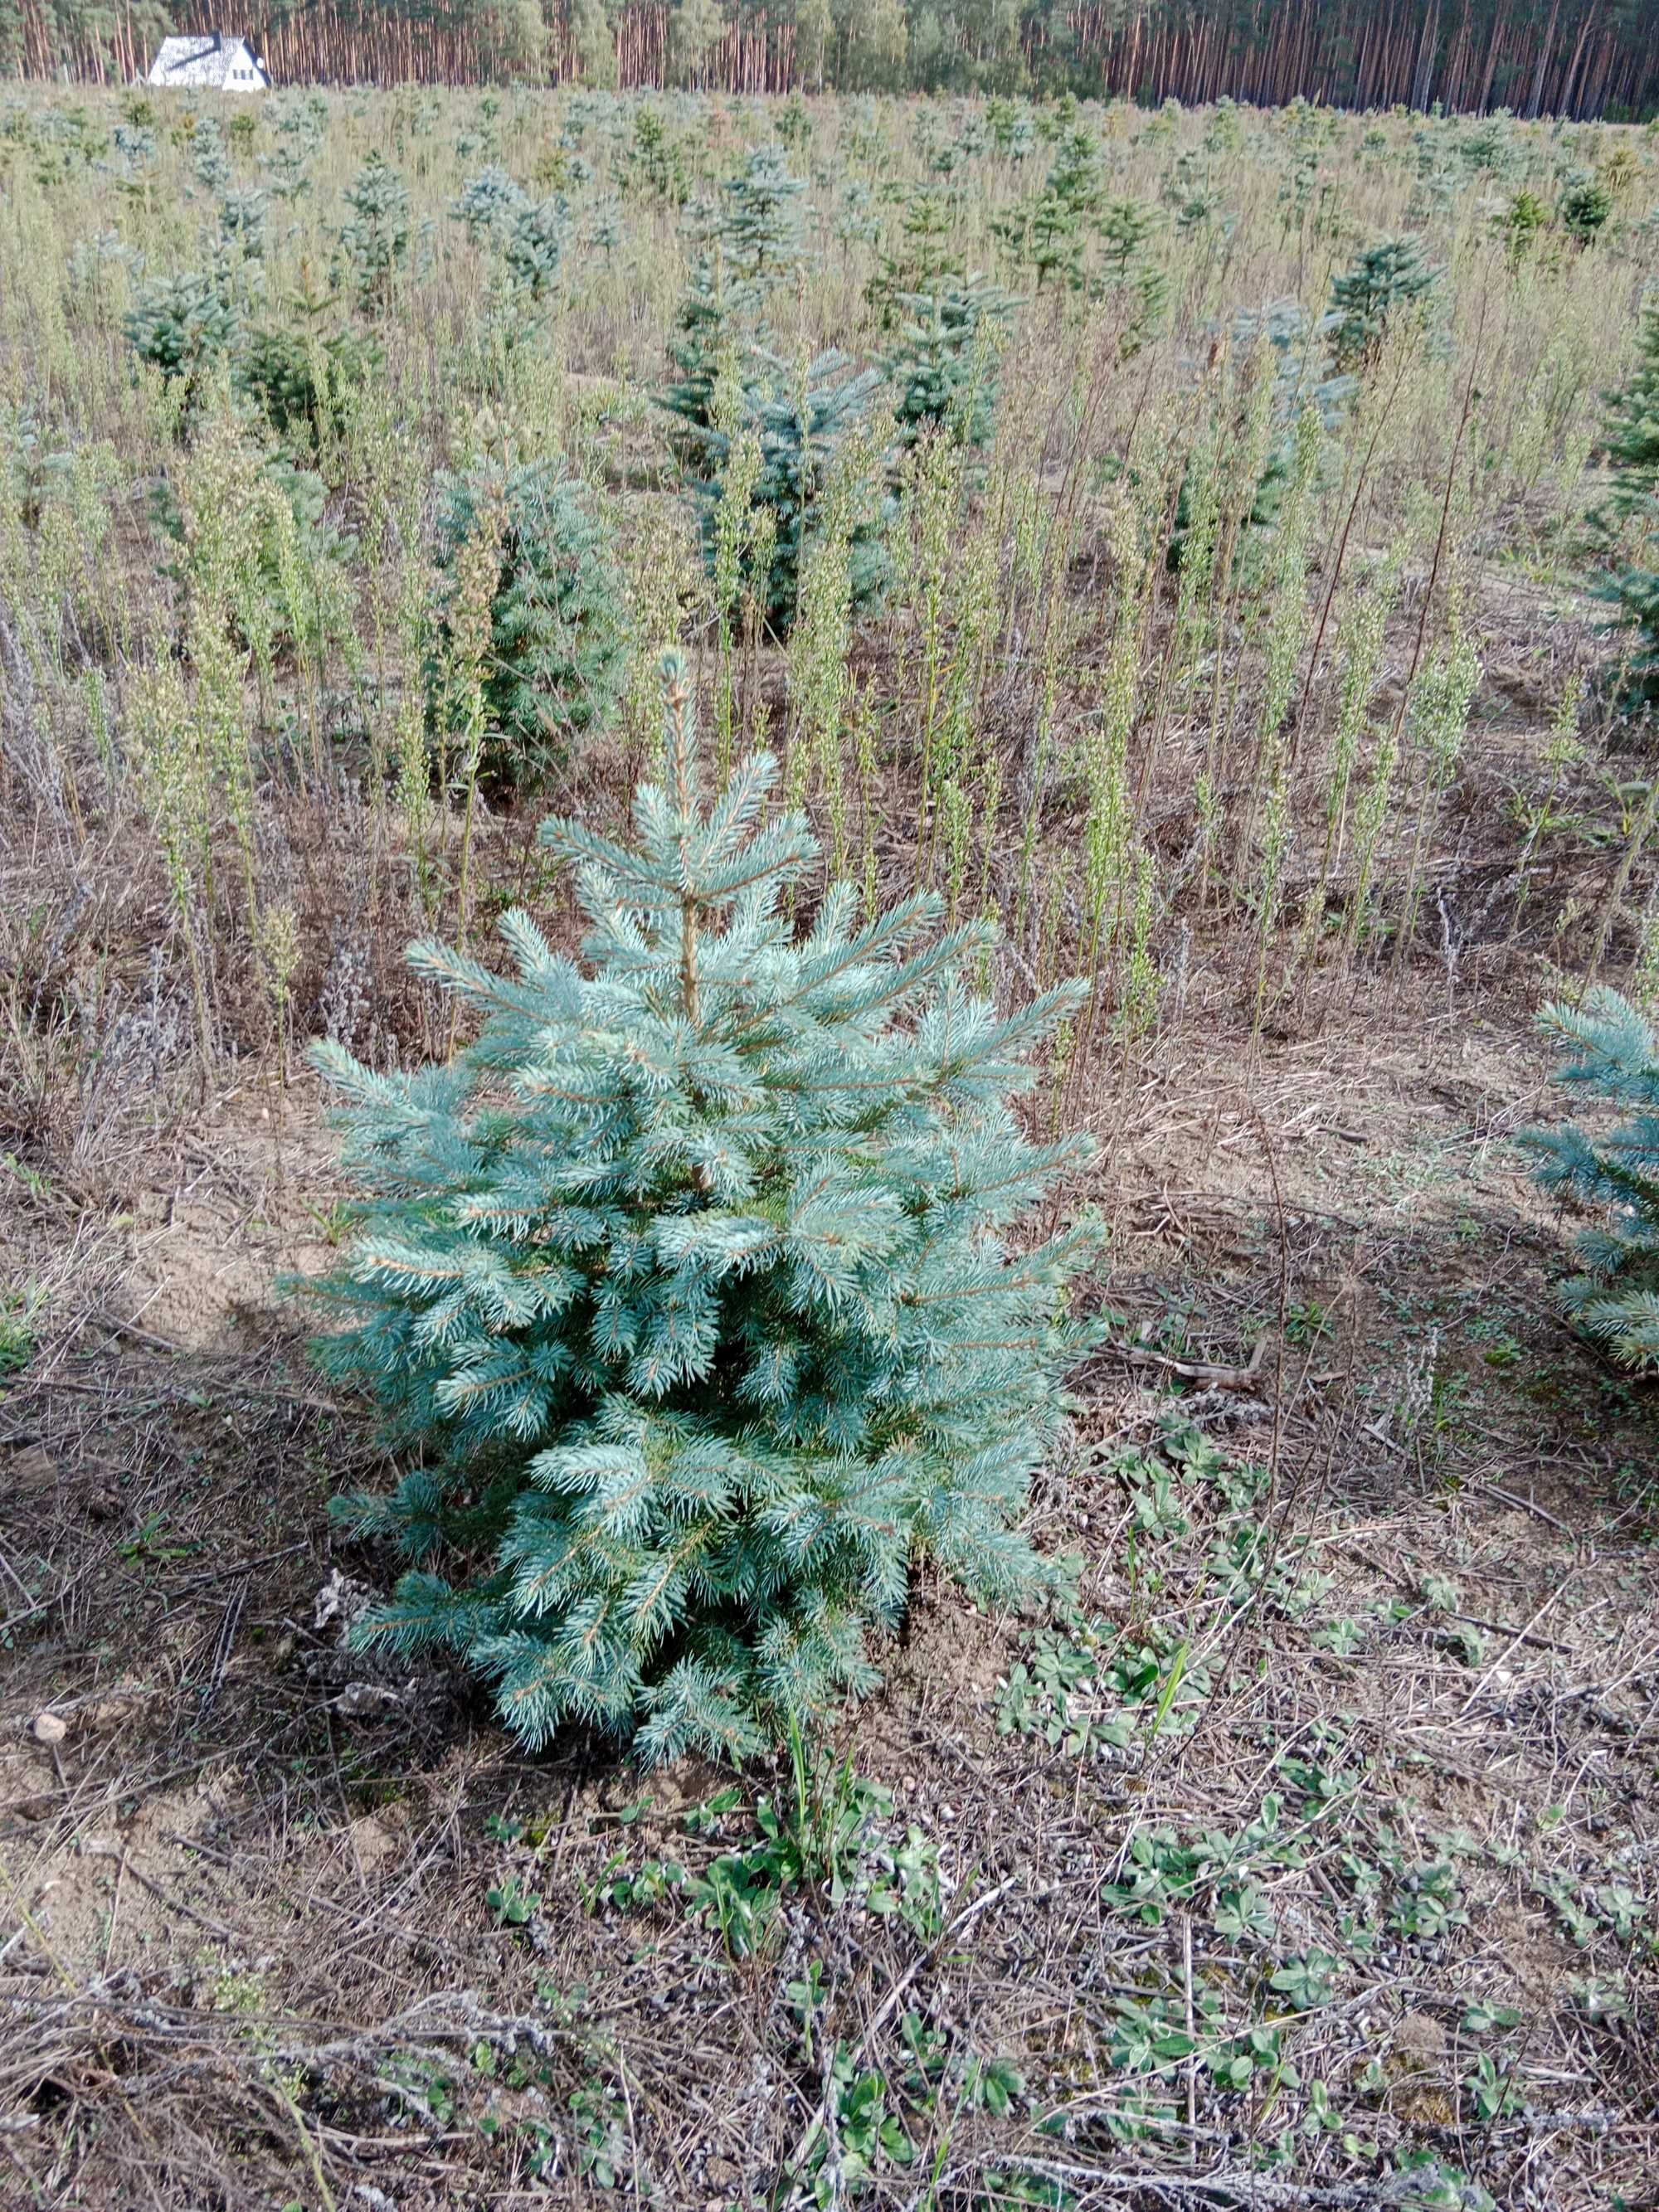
(1578, 58)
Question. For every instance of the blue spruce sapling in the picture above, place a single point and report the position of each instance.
(802, 424)
(1615, 1297)
(557, 658)
(689, 1286)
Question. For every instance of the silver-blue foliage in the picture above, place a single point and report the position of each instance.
(1614, 1174)
(697, 1284)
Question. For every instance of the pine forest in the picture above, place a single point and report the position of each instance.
(1579, 58)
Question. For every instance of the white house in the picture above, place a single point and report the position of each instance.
(210, 62)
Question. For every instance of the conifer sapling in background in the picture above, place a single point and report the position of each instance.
(374, 238)
(1294, 389)
(654, 163)
(692, 1280)
(1585, 206)
(243, 221)
(533, 247)
(1372, 296)
(1129, 268)
(1523, 221)
(185, 326)
(759, 229)
(717, 324)
(487, 202)
(923, 260)
(945, 368)
(802, 422)
(1049, 230)
(557, 655)
(300, 379)
(1626, 526)
(755, 244)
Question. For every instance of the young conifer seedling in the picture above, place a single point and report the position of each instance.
(1626, 528)
(691, 1283)
(1612, 1174)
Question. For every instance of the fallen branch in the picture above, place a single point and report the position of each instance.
(93, 1850)
(1208, 1372)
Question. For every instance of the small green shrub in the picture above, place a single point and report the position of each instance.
(557, 655)
(18, 1311)
(692, 1280)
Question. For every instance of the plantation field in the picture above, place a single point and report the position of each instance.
(1187, 545)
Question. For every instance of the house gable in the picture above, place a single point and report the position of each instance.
(209, 61)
